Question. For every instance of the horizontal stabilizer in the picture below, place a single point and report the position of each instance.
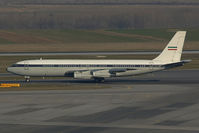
(176, 64)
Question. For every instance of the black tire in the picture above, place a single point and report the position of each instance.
(99, 80)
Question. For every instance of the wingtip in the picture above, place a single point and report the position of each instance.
(181, 31)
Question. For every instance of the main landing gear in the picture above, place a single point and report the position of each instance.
(27, 78)
(99, 80)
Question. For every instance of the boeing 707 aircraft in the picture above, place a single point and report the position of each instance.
(101, 69)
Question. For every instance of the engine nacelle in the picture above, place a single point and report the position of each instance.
(92, 74)
(102, 73)
(83, 75)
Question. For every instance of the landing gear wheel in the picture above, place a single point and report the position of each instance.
(27, 78)
(99, 80)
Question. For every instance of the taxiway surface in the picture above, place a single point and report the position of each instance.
(162, 77)
(165, 102)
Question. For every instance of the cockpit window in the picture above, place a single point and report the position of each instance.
(16, 65)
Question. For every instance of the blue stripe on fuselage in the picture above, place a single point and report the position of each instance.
(81, 65)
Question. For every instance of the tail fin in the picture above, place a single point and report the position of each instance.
(172, 52)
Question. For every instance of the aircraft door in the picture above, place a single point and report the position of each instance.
(26, 66)
(151, 65)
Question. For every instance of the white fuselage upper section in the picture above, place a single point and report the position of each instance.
(59, 61)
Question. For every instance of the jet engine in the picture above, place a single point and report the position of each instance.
(92, 74)
(102, 73)
(83, 75)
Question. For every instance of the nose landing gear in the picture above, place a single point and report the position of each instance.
(27, 78)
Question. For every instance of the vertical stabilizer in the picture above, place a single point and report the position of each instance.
(172, 52)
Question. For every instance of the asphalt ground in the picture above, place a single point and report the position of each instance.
(167, 101)
(162, 77)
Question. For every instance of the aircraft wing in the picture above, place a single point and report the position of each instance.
(98, 73)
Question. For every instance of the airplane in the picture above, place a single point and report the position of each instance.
(98, 70)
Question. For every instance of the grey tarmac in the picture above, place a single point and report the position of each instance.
(162, 77)
(167, 101)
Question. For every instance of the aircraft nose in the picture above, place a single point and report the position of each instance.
(10, 69)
